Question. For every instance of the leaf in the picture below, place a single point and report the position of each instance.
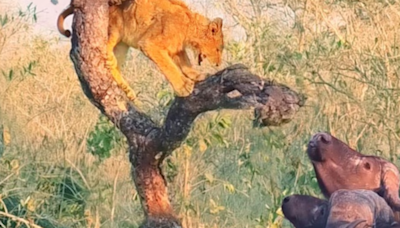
(10, 74)
(214, 208)
(14, 164)
(219, 138)
(6, 136)
(4, 20)
(188, 150)
(297, 56)
(31, 205)
(202, 146)
(209, 178)
(229, 187)
(339, 43)
(224, 123)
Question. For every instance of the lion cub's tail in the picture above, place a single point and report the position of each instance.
(60, 20)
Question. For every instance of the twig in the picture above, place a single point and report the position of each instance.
(114, 195)
(18, 219)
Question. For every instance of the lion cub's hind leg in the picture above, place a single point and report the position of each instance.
(116, 53)
(120, 52)
(183, 61)
(113, 40)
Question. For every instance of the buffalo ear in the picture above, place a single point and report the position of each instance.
(321, 211)
(215, 26)
(390, 182)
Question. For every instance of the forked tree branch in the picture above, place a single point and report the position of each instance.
(232, 88)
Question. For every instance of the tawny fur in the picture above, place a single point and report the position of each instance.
(345, 209)
(337, 166)
(162, 30)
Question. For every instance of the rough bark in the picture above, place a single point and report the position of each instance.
(149, 143)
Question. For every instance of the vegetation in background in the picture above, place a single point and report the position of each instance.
(64, 165)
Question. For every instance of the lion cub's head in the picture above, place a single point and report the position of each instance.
(212, 44)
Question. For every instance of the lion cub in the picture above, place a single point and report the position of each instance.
(161, 29)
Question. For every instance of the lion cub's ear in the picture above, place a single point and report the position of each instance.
(215, 26)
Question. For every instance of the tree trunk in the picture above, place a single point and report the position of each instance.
(149, 144)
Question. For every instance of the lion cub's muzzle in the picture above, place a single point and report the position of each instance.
(201, 57)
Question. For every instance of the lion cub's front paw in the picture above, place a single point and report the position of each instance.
(201, 77)
(185, 89)
(194, 75)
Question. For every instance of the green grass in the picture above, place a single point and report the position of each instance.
(66, 166)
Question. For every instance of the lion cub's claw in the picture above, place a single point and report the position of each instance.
(128, 91)
(200, 77)
(195, 76)
(138, 104)
(131, 95)
(111, 62)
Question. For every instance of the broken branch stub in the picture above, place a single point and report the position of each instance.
(232, 88)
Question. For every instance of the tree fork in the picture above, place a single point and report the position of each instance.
(149, 144)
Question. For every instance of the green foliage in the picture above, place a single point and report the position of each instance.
(72, 193)
(12, 205)
(27, 70)
(11, 22)
(103, 139)
(65, 196)
(68, 194)
(27, 15)
(211, 133)
(165, 98)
